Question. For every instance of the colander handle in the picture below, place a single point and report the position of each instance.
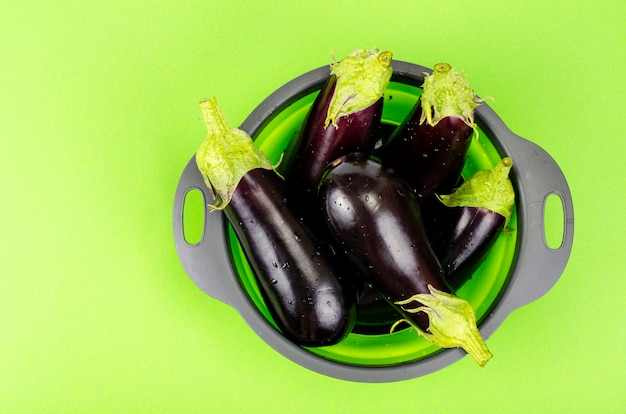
(206, 262)
(536, 176)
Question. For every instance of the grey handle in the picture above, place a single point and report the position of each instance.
(536, 175)
(206, 262)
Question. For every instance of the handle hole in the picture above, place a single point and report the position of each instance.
(554, 221)
(193, 216)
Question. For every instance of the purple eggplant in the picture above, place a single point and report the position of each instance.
(300, 284)
(377, 222)
(429, 148)
(344, 117)
(465, 225)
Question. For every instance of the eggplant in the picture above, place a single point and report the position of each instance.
(429, 148)
(344, 117)
(299, 281)
(377, 222)
(465, 225)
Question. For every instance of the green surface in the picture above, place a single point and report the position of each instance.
(99, 115)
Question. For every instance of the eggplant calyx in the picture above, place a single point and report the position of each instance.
(452, 323)
(362, 78)
(489, 189)
(226, 155)
(447, 93)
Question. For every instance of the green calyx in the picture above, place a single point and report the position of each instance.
(362, 78)
(226, 154)
(452, 323)
(489, 189)
(447, 93)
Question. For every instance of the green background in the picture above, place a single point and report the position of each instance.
(99, 115)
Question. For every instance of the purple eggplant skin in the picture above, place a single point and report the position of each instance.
(461, 238)
(304, 290)
(316, 144)
(429, 158)
(378, 225)
(312, 148)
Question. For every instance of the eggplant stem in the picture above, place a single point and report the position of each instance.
(488, 189)
(226, 155)
(398, 322)
(447, 93)
(452, 323)
(362, 78)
